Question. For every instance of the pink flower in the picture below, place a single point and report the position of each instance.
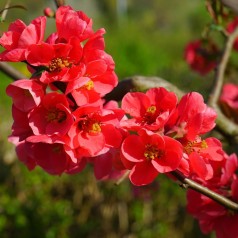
(229, 101)
(201, 58)
(19, 37)
(150, 110)
(149, 154)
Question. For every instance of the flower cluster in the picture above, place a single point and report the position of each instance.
(60, 111)
(62, 121)
(211, 215)
(59, 116)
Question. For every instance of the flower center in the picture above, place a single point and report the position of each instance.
(89, 85)
(152, 152)
(89, 125)
(27, 93)
(56, 116)
(57, 149)
(150, 115)
(195, 146)
(57, 64)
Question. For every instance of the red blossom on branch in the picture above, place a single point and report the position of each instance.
(202, 58)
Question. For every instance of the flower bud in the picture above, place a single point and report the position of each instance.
(49, 12)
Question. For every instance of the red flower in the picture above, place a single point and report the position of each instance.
(97, 76)
(108, 165)
(191, 118)
(229, 169)
(61, 61)
(201, 58)
(26, 94)
(72, 23)
(60, 158)
(19, 37)
(52, 116)
(230, 28)
(20, 128)
(229, 101)
(200, 154)
(150, 110)
(95, 130)
(148, 154)
(211, 215)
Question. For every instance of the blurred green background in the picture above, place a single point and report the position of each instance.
(145, 38)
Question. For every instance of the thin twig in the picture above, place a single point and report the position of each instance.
(140, 83)
(224, 124)
(188, 183)
(4, 13)
(11, 71)
(220, 71)
(124, 176)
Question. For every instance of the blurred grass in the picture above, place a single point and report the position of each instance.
(148, 41)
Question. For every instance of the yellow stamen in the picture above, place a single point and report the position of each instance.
(57, 64)
(152, 152)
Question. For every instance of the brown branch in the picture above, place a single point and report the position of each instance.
(59, 3)
(4, 13)
(190, 184)
(122, 178)
(140, 83)
(11, 71)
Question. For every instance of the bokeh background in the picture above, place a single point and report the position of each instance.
(145, 38)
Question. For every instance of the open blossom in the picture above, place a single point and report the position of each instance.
(26, 94)
(59, 60)
(149, 154)
(95, 129)
(150, 110)
(199, 156)
(70, 23)
(52, 116)
(60, 158)
(97, 76)
(192, 117)
(229, 101)
(201, 58)
(19, 37)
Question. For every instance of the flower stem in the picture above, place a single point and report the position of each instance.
(190, 184)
